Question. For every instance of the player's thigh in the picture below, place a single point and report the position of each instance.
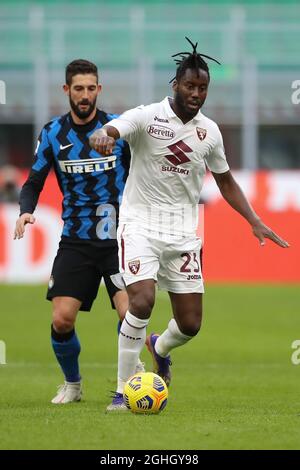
(74, 275)
(187, 311)
(180, 267)
(138, 255)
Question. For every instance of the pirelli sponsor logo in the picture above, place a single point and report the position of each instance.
(160, 132)
(89, 165)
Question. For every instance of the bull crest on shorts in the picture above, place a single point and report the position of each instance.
(134, 266)
(201, 133)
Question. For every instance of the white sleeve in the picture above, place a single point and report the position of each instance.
(129, 123)
(216, 159)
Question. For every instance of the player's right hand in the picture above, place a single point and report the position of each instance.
(20, 225)
(101, 142)
(261, 231)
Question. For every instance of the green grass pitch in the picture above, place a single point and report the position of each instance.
(234, 386)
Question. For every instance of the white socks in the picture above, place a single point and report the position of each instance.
(171, 338)
(131, 342)
(132, 339)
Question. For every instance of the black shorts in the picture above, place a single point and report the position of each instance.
(78, 269)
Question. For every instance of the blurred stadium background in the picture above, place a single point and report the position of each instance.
(132, 42)
(250, 97)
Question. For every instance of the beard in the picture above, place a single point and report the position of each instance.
(83, 114)
(181, 104)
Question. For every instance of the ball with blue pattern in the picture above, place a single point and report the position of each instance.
(145, 392)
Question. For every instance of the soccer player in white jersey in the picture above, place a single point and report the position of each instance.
(171, 143)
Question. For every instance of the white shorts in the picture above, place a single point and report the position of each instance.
(175, 264)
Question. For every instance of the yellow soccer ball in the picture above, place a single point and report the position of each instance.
(145, 392)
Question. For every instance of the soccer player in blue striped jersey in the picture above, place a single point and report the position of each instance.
(92, 187)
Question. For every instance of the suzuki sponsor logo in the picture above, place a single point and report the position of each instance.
(160, 132)
(89, 165)
(175, 169)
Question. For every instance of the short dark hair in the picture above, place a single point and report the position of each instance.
(80, 66)
(191, 60)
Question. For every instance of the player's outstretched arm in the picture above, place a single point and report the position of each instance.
(103, 140)
(233, 194)
(20, 225)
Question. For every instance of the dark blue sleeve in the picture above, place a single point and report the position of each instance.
(35, 182)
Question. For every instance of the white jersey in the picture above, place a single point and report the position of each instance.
(168, 164)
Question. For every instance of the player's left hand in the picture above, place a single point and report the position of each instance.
(261, 231)
(23, 220)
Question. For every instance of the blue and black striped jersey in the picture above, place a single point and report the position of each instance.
(92, 185)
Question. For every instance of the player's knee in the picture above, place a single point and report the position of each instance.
(62, 322)
(191, 328)
(142, 304)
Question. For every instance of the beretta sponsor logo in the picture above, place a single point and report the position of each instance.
(160, 132)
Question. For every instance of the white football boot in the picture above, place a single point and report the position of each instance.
(67, 393)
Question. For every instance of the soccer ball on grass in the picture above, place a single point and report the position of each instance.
(145, 392)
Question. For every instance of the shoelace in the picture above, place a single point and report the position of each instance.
(61, 387)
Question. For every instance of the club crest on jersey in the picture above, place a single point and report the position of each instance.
(201, 133)
(134, 266)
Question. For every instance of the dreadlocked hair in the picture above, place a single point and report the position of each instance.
(190, 60)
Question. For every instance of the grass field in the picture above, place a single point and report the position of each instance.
(234, 386)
